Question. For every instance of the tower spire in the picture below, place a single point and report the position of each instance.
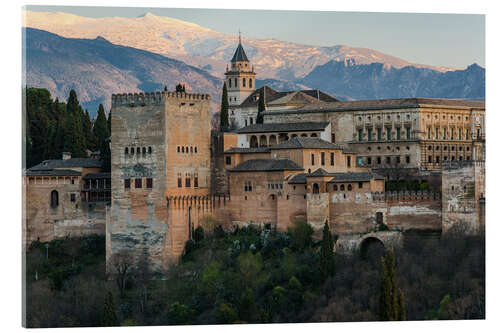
(239, 35)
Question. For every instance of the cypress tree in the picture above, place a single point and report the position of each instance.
(75, 138)
(261, 108)
(109, 315)
(389, 305)
(101, 134)
(109, 122)
(224, 110)
(401, 306)
(87, 130)
(180, 88)
(327, 259)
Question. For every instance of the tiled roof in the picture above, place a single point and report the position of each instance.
(353, 177)
(58, 172)
(273, 97)
(308, 143)
(266, 165)
(239, 54)
(379, 104)
(318, 173)
(97, 175)
(298, 179)
(247, 150)
(68, 163)
(284, 127)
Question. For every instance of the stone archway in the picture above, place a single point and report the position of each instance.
(254, 143)
(272, 140)
(263, 141)
(371, 248)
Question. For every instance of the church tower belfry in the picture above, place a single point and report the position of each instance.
(240, 77)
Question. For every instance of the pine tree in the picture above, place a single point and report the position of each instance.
(224, 110)
(327, 259)
(261, 108)
(109, 315)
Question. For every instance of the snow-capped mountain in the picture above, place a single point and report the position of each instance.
(208, 49)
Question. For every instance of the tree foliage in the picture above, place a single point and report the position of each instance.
(261, 108)
(224, 110)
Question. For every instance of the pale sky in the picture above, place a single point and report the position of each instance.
(455, 40)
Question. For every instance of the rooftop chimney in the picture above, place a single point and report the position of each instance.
(66, 155)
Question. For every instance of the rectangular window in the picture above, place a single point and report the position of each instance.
(322, 158)
(428, 133)
(360, 135)
(179, 182)
(369, 160)
(379, 134)
(348, 161)
(228, 160)
(437, 159)
(407, 159)
(138, 183)
(73, 197)
(195, 181)
(369, 134)
(360, 185)
(408, 133)
(398, 133)
(379, 160)
(149, 182)
(188, 182)
(388, 160)
(312, 159)
(127, 183)
(388, 133)
(332, 159)
(437, 133)
(333, 137)
(398, 159)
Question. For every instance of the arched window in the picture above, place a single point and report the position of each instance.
(335, 188)
(191, 149)
(150, 150)
(143, 150)
(229, 82)
(126, 150)
(182, 148)
(315, 188)
(349, 187)
(250, 83)
(254, 143)
(244, 82)
(132, 150)
(54, 199)
(342, 187)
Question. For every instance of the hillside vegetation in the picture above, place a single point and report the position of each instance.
(253, 275)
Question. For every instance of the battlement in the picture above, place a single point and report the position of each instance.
(153, 98)
(391, 196)
(451, 165)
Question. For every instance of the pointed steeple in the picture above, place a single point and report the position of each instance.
(239, 54)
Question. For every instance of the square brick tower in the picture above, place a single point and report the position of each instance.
(160, 147)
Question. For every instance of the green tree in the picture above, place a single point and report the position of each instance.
(109, 313)
(87, 130)
(225, 314)
(75, 137)
(224, 110)
(327, 259)
(390, 305)
(179, 314)
(180, 88)
(301, 234)
(102, 134)
(261, 108)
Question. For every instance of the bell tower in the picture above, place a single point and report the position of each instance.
(240, 77)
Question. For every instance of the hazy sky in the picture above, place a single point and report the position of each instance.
(455, 40)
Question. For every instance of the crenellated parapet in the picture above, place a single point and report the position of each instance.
(402, 196)
(207, 202)
(154, 98)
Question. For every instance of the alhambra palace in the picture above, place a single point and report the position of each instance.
(313, 158)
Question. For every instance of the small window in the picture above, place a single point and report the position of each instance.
(72, 197)
(138, 183)
(322, 158)
(332, 158)
(379, 217)
(149, 182)
(228, 160)
(72, 180)
(312, 159)
(126, 150)
(195, 181)
(196, 150)
(342, 187)
(348, 161)
(360, 184)
(191, 149)
(178, 149)
(150, 150)
(388, 160)
(335, 188)
(127, 183)
(182, 149)
(407, 159)
(132, 151)
(54, 199)
(349, 187)
(179, 181)
(188, 182)
(143, 150)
